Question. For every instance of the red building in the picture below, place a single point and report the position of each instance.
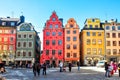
(53, 36)
(8, 38)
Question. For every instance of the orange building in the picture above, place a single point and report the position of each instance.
(72, 49)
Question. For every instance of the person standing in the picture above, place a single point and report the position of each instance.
(119, 68)
(70, 67)
(78, 64)
(44, 68)
(106, 69)
(61, 66)
(34, 69)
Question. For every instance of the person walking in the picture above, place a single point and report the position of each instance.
(78, 64)
(44, 68)
(106, 70)
(70, 67)
(34, 69)
(38, 68)
(61, 66)
(119, 68)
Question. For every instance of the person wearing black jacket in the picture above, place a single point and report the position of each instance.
(44, 68)
(106, 70)
(70, 67)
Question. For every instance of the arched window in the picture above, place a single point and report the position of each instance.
(113, 27)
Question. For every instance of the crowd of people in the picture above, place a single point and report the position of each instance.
(111, 68)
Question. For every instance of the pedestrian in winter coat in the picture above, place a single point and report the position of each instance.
(34, 69)
(78, 64)
(44, 68)
(106, 69)
(61, 66)
(70, 67)
(119, 68)
(38, 68)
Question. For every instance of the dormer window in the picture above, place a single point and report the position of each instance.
(113, 27)
(71, 26)
(53, 19)
(50, 25)
(12, 23)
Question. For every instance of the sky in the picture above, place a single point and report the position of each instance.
(38, 12)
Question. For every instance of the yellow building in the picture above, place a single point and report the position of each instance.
(72, 48)
(92, 42)
(112, 37)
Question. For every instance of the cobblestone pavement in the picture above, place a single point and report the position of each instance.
(54, 74)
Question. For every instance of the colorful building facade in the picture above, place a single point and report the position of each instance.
(92, 42)
(8, 38)
(25, 45)
(53, 41)
(72, 47)
(112, 38)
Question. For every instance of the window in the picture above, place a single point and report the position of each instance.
(93, 41)
(113, 27)
(59, 33)
(53, 52)
(90, 26)
(53, 42)
(114, 35)
(119, 43)
(19, 44)
(24, 53)
(118, 27)
(29, 54)
(88, 33)
(5, 47)
(94, 51)
(93, 20)
(0, 47)
(24, 35)
(47, 52)
(30, 36)
(71, 25)
(11, 47)
(99, 41)
(74, 39)
(19, 36)
(56, 26)
(88, 41)
(30, 44)
(74, 46)
(108, 43)
(12, 23)
(74, 32)
(11, 38)
(88, 51)
(99, 33)
(68, 55)
(53, 33)
(53, 19)
(5, 38)
(68, 38)
(59, 42)
(3, 23)
(0, 31)
(50, 25)
(47, 33)
(24, 44)
(114, 51)
(94, 34)
(74, 55)
(107, 27)
(18, 53)
(68, 46)
(108, 51)
(114, 43)
(100, 51)
(108, 35)
(11, 31)
(118, 35)
(96, 26)
(59, 52)
(119, 51)
(6, 31)
(68, 31)
(47, 42)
